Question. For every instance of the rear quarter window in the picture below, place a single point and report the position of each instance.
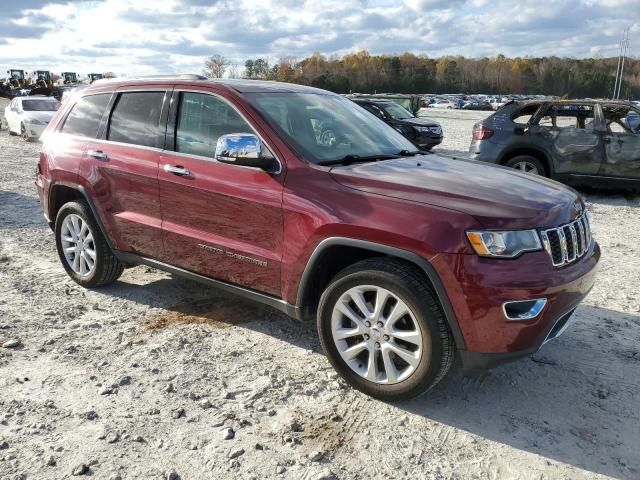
(523, 116)
(85, 116)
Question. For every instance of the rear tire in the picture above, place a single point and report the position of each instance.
(527, 164)
(411, 352)
(83, 250)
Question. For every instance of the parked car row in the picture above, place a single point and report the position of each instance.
(472, 102)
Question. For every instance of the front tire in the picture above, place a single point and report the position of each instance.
(383, 329)
(83, 250)
(23, 132)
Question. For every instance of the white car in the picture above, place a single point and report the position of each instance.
(444, 104)
(29, 116)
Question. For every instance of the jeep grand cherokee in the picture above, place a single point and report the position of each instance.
(403, 258)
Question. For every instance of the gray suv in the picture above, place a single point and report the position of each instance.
(573, 141)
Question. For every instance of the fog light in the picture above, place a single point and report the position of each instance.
(524, 309)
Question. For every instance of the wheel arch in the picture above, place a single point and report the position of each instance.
(336, 253)
(61, 193)
(534, 152)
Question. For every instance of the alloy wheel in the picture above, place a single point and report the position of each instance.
(377, 334)
(78, 245)
(526, 167)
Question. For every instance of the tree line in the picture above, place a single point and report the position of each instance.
(409, 73)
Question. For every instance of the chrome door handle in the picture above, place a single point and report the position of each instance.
(98, 154)
(177, 170)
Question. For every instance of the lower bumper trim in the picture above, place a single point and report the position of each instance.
(475, 362)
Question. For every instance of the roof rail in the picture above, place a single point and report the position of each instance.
(181, 76)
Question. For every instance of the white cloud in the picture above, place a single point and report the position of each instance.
(127, 36)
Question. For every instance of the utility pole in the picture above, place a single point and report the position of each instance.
(624, 45)
(615, 85)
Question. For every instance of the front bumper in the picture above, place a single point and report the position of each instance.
(478, 287)
(427, 141)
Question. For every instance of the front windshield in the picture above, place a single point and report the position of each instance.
(40, 105)
(397, 112)
(328, 127)
(17, 74)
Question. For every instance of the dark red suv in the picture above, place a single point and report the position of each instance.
(404, 258)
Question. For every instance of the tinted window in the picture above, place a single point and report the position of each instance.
(84, 118)
(202, 119)
(40, 105)
(136, 119)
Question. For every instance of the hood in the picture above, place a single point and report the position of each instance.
(419, 121)
(497, 197)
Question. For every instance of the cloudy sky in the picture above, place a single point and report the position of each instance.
(154, 36)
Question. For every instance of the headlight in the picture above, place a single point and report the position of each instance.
(34, 121)
(504, 244)
(435, 130)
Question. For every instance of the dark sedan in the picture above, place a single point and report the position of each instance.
(423, 132)
(574, 141)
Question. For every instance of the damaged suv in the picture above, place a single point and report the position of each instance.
(594, 143)
(400, 259)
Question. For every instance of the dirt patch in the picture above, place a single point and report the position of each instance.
(220, 313)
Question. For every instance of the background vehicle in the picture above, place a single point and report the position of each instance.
(40, 83)
(67, 78)
(398, 257)
(422, 132)
(581, 142)
(448, 104)
(477, 105)
(632, 122)
(94, 76)
(15, 84)
(29, 116)
(411, 103)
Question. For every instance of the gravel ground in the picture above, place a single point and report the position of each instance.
(158, 377)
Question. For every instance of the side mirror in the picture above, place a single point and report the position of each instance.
(244, 149)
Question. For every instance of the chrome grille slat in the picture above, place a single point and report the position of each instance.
(574, 241)
(567, 243)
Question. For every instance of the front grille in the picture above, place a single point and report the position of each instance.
(567, 243)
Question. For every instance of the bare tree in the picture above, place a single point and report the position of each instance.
(215, 66)
(233, 71)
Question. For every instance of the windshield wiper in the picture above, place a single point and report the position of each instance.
(408, 153)
(349, 159)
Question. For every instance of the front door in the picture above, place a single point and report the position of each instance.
(219, 220)
(622, 152)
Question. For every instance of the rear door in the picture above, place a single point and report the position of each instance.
(572, 137)
(122, 167)
(622, 152)
(219, 220)
(78, 129)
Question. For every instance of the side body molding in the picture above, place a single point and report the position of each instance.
(411, 257)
